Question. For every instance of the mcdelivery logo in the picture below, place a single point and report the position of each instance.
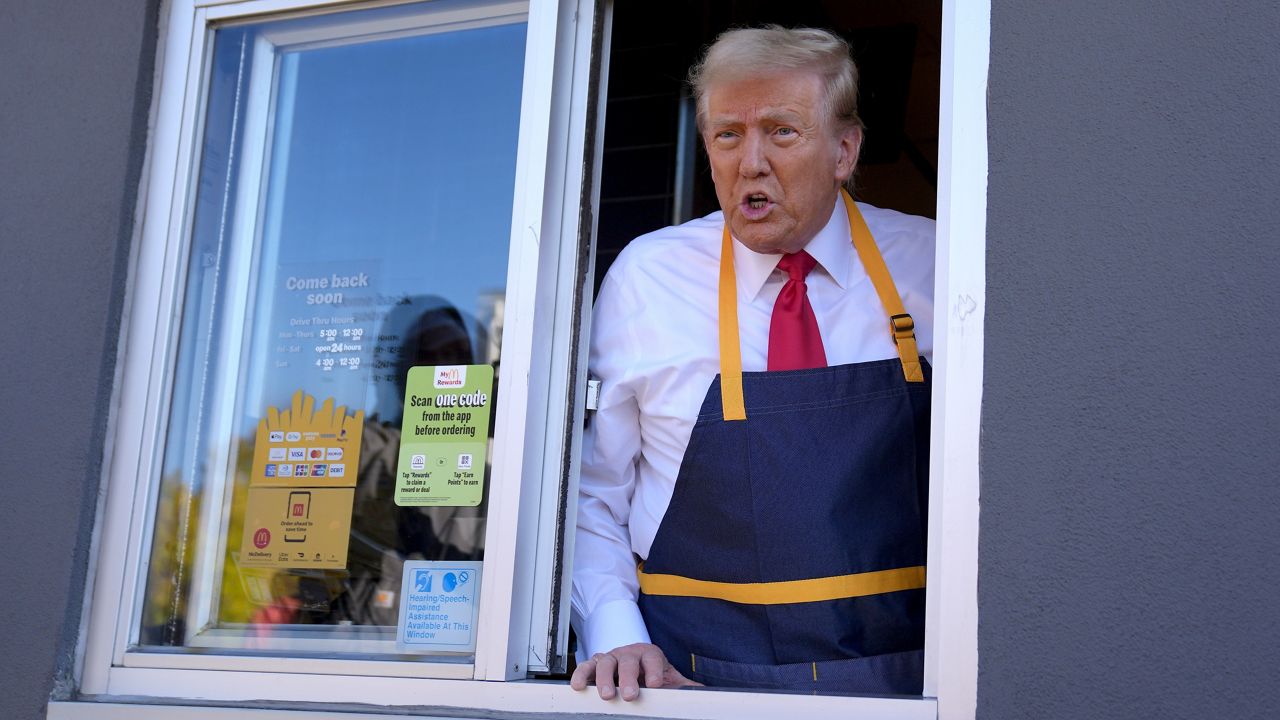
(450, 376)
(262, 538)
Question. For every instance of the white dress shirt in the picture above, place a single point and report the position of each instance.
(655, 349)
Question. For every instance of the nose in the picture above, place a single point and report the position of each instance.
(755, 160)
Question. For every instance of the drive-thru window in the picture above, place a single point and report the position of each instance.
(338, 192)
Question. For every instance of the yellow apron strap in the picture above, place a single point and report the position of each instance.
(901, 326)
(790, 591)
(731, 401)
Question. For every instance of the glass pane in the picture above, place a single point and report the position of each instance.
(351, 221)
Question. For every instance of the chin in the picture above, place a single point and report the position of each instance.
(760, 238)
(766, 243)
(759, 245)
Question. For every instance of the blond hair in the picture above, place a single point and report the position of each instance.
(746, 52)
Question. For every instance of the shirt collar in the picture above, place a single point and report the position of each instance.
(831, 247)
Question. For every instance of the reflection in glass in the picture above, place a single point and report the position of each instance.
(351, 221)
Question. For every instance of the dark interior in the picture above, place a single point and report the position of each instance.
(654, 172)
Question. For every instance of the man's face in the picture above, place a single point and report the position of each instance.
(776, 158)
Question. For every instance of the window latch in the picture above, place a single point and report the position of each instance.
(593, 394)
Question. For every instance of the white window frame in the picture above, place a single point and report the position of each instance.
(519, 489)
(543, 210)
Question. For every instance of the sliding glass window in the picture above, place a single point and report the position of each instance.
(339, 336)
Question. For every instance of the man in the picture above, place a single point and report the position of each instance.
(778, 514)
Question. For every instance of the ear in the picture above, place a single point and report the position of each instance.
(850, 142)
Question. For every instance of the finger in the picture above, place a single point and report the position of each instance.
(654, 664)
(673, 678)
(325, 413)
(582, 675)
(606, 666)
(629, 676)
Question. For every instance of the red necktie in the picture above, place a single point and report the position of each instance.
(794, 340)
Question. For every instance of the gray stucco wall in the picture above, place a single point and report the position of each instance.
(75, 84)
(1129, 438)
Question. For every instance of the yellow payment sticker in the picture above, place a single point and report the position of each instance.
(297, 527)
(302, 486)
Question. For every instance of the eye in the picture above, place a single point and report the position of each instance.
(785, 131)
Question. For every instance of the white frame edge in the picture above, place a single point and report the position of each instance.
(951, 670)
(562, 432)
(510, 537)
(142, 317)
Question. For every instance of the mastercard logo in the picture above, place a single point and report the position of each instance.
(317, 454)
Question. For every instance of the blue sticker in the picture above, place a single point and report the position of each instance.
(438, 606)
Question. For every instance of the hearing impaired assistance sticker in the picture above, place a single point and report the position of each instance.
(445, 436)
(438, 606)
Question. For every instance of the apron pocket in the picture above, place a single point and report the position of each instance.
(890, 674)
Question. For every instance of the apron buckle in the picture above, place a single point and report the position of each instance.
(902, 327)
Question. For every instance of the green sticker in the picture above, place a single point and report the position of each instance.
(444, 436)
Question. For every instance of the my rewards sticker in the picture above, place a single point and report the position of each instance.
(444, 438)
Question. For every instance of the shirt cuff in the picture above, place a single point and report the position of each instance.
(612, 625)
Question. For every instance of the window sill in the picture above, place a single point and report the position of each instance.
(454, 699)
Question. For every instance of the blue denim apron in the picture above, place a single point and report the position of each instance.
(792, 554)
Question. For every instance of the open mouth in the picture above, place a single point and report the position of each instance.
(756, 206)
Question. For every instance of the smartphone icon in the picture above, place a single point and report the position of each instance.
(299, 509)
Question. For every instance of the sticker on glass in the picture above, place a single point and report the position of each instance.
(439, 600)
(298, 514)
(444, 438)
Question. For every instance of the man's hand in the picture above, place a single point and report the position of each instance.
(628, 666)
